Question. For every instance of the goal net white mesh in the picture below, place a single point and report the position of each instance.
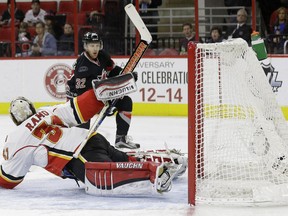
(241, 134)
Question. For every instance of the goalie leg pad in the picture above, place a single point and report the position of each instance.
(106, 177)
(115, 87)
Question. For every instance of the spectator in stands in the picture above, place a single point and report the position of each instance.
(23, 34)
(53, 27)
(6, 16)
(215, 35)
(242, 30)
(44, 43)
(267, 9)
(232, 12)
(35, 14)
(23, 40)
(153, 16)
(66, 42)
(280, 31)
(189, 35)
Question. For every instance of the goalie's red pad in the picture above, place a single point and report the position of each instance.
(86, 106)
(114, 177)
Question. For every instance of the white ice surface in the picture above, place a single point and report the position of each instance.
(42, 193)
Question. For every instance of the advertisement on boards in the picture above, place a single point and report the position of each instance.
(162, 82)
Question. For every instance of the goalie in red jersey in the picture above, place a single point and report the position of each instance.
(47, 138)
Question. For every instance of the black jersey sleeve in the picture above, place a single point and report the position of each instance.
(109, 65)
(70, 88)
(115, 71)
(105, 60)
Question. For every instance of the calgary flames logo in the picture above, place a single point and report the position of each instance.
(55, 80)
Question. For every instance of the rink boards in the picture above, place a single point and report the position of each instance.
(162, 83)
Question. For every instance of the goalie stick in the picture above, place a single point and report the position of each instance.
(146, 39)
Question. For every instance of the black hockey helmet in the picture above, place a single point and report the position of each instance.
(92, 37)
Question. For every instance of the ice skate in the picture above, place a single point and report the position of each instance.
(124, 141)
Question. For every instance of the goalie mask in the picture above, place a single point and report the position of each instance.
(21, 109)
(92, 37)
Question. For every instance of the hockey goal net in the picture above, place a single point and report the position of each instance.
(237, 133)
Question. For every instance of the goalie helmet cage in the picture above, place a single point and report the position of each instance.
(237, 134)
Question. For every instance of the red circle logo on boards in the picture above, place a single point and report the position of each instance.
(56, 78)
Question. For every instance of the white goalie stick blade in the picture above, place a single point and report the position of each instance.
(138, 23)
(145, 35)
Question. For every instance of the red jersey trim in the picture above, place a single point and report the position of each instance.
(8, 183)
(77, 109)
(56, 162)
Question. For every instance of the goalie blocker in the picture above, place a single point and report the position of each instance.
(115, 87)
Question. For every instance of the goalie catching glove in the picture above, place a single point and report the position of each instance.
(115, 87)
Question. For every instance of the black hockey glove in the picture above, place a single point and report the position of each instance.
(111, 111)
(135, 75)
(70, 93)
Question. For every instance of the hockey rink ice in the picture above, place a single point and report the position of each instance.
(42, 193)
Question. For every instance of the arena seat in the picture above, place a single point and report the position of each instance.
(24, 6)
(92, 5)
(150, 52)
(5, 45)
(5, 34)
(3, 7)
(66, 7)
(70, 18)
(49, 6)
(82, 18)
(169, 52)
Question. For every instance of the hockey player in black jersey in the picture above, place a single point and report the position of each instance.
(95, 63)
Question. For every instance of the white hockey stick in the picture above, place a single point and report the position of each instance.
(146, 39)
(145, 35)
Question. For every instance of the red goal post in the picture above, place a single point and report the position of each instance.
(237, 134)
(191, 122)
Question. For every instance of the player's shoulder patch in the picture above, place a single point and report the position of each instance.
(83, 69)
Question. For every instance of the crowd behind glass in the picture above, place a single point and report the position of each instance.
(48, 30)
